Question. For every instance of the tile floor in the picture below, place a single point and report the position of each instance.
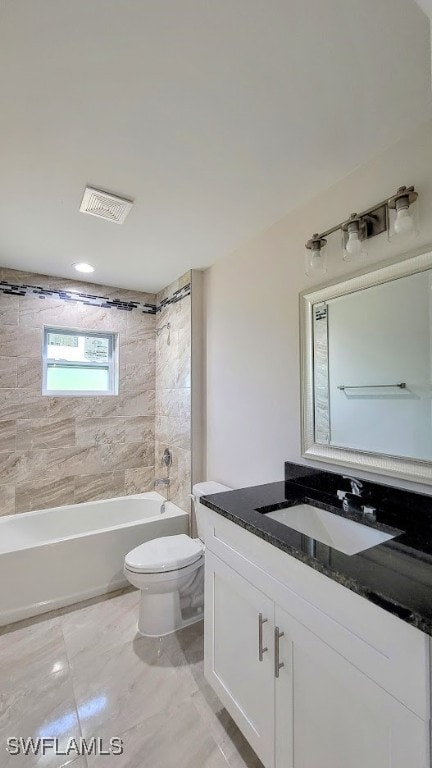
(84, 671)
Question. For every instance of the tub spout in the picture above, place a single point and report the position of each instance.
(162, 481)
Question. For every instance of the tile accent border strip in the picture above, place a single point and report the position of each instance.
(178, 295)
(12, 289)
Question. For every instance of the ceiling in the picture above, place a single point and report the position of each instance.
(216, 117)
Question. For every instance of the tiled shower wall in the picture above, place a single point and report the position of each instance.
(60, 450)
(173, 392)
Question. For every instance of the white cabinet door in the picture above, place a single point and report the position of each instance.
(244, 684)
(330, 715)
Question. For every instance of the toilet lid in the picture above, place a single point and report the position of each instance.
(165, 554)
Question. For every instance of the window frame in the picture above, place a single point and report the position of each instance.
(111, 364)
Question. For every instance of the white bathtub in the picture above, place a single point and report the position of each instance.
(57, 557)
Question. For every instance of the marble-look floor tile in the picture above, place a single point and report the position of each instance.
(35, 648)
(83, 670)
(236, 750)
(45, 707)
(102, 625)
(186, 648)
(131, 683)
(177, 738)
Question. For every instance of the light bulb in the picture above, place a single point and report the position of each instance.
(354, 244)
(315, 255)
(403, 222)
(316, 261)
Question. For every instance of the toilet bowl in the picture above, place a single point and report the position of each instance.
(169, 572)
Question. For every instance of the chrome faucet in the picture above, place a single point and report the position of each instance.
(351, 500)
(356, 485)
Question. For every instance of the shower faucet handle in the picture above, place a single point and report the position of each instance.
(166, 459)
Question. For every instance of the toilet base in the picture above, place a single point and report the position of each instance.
(160, 614)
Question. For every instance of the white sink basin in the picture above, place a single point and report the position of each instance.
(338, 532)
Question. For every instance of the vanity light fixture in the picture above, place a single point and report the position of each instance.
(316, 255)
(396, 216)
(81, 266)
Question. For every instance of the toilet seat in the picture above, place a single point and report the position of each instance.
(165, 554)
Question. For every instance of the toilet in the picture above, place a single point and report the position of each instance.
(169, 572)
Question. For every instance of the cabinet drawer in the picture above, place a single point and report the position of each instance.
(386, 649)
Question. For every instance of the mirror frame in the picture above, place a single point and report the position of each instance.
(405, 468)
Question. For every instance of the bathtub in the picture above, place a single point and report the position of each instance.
(56, 557)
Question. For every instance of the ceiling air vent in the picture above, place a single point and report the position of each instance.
(104, 205)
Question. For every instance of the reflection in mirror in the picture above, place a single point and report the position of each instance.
(372, 369)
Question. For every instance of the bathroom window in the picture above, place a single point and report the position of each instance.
(79, 362)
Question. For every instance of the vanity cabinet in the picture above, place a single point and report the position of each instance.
(330, 715)
(280, 663)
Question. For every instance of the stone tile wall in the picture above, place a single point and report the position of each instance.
(60, 450)
(173, 393)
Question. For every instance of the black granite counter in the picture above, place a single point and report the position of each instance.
(395, 575)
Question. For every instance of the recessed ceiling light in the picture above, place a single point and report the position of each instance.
(83, 267)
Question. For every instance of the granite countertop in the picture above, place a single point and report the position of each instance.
(396, 575)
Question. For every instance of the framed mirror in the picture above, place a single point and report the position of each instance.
(367, 371)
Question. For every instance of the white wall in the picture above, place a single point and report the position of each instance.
(252, 318)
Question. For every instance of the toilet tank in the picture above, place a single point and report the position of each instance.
(204, 489)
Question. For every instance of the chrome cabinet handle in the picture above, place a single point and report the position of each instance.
(278, 664)
(261, 650)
